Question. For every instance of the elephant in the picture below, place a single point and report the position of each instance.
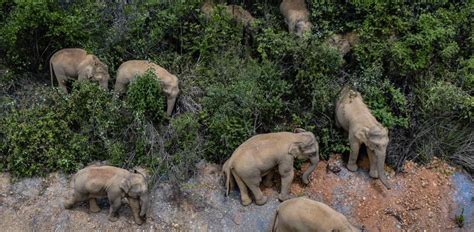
(95, 181)
(71, 63)
(296, 16)
(343, 42)
(133, 68)
(303, 214)
(353, 115)
(239, 14)
(260, 155)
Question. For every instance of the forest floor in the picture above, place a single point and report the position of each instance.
(422, 198)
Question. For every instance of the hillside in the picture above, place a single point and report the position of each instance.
(423, 198)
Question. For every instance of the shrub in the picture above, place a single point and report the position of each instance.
(146, 98)
(39, 141)
(445, 99)
(32, 31)
(211, 35)
(385, 101)
(238, 99)
(65, 132)
(184, 146)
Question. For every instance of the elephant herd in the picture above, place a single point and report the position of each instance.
(75, 63)
(257, 158)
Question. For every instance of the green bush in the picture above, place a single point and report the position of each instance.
(240, 95)
(64, 133)
(208, 36)
(39, 141)
(413, 65)
(32, 31)
(146, 98)
(386, 102)
(184, 146)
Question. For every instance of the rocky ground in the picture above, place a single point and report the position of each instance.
(423, 198)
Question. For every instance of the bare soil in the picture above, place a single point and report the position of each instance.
(422, 198)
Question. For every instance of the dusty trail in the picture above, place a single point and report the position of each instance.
(422, 198)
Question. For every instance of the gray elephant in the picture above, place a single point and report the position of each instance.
(343, 42)
(75, 63)
(113, 183)
(303, 214)
(239, 14)
(296, 16)
(260, 155)
(353, 115)
(129, 70)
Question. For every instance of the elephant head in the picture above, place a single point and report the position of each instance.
(135, 186)
(301, 27)
(305, 147)
(376, 139)
(100, 73)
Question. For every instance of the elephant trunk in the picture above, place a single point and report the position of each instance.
(381, 171)
(104, 84)
(314, 162)
(144, 203)
(170, 105)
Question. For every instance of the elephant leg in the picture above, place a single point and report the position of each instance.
(93, 207)
(244, 194)
(120, 87)
(115, 203)
(287, 175)
(135, 207)
(373, 172)
(253, 182)
(61, 78)
(268, 179)
(352, 163)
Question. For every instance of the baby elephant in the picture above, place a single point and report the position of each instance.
(258, 157)
(296, 16)
(75, 63)
(115, 183)
(343, 42)
(353, 115)
(302, 214)
(133, 68)
(239, 14)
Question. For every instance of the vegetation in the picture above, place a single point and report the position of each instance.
(413, 64)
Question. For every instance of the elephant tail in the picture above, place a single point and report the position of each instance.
(228, 176)
(274, 222)
(51, 71)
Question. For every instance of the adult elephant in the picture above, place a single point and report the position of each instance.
(296, 16)
(303, 214)
(259, 155)
(353, 115)
(115, 183)
(133, 68)
(75, 63)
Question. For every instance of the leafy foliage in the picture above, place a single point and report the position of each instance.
(412, 64)
(233, 113)
(146, 98)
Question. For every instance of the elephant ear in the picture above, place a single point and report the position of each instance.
(95, 60)
(361, 134)
(86, 73)
(125, 185)
(295, 149)
(141, 171)
(299, 130)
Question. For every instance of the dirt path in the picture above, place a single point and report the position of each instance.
(422, 199)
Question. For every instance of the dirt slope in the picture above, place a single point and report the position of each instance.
(422, 198)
